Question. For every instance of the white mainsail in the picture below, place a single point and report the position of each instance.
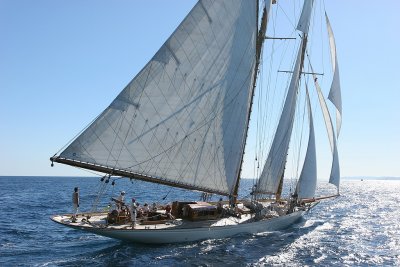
(182, 119)
(308, 178)
(335, 95)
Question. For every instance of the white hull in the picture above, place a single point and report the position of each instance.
(187, 234)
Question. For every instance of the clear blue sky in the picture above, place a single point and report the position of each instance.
(63, 62)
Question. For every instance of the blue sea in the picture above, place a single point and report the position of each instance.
(359, 228)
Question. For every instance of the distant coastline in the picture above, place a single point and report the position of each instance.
(394, 178)
(371, 178)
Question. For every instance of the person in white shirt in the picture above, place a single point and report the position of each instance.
(133, 210)
(146, 209)
(121, 201)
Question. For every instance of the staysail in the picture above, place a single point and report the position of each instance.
(182, 120)
(273, 168)
(335, 169)
(335, 95)
(271, 175)
(308, 178)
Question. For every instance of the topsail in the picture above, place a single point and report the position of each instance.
(335, 169)
(335, 95)
(305, 17)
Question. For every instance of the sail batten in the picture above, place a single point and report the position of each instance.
(184, 116)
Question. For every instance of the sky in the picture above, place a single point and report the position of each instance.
(63, 62)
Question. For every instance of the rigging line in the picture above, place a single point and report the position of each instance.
(151, 102)
(283, 98)
(163, 198)
(130, 129)
(232, 101)
(209, 70)
(89, 171)
(288, 18)
(321, 35)
(266, 118)
(190, 143)
(263, 113)
(223, 108)
(99, 194)
(295, 147)
(260, 89)
(79, 133)
(269, 118)
(260, 118)
(121, 120)
(301, 134)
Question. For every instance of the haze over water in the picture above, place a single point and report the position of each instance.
(361, 227)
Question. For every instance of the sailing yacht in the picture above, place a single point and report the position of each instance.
(183, 121)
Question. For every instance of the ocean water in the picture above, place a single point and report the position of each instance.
(360, 228)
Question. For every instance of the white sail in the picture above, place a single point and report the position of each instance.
(308, 178)
(334, 178)
(182, 119)
(335, 169)
(305, 17)
(335, 95)
(275, 163)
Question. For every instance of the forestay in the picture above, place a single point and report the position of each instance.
(182, 119)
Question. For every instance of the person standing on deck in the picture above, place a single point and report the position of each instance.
(219, 206)
(121, 200)
(75, 203)
(133, 210)
(168, 212)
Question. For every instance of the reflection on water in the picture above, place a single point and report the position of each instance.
(361, 227)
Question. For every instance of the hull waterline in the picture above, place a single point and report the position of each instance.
(188, 234)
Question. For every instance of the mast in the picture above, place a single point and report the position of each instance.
(271, 175)
(303, 53)
(279, 192)
(259, 44)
